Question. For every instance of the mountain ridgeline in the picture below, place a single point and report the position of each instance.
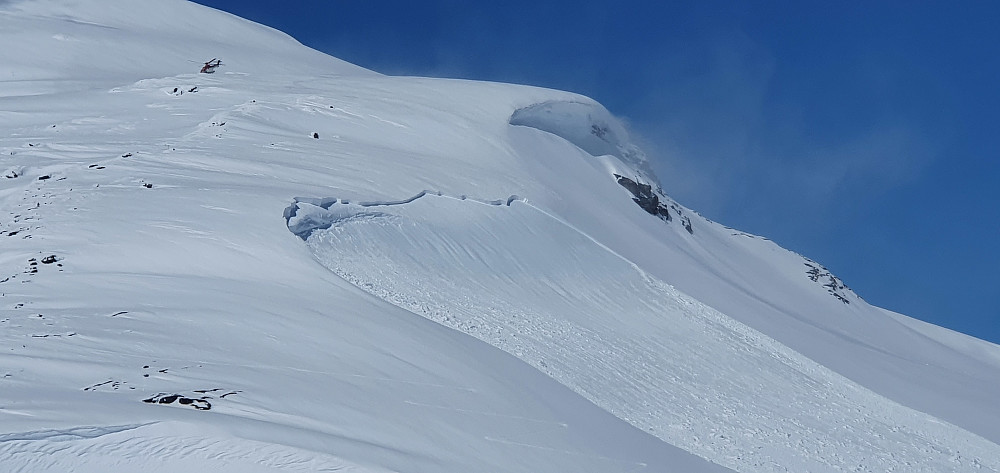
(296, 264)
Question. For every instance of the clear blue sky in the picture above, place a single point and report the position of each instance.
(861, 134)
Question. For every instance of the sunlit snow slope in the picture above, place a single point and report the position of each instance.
(302, 265)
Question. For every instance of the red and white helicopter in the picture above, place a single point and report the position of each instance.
(211, 66)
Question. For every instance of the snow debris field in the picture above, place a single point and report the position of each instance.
(296, 264)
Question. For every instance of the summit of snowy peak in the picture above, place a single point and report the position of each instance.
(128, 40)
(589, 126)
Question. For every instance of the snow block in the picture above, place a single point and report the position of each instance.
(304, 217)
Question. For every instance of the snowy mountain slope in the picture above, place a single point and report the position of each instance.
(595, 323)
(949, 375)
(149, 255)
(192, 286)
(799, 303)
(73, 43)
(753, 280)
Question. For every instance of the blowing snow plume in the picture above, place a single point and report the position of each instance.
(589, 126)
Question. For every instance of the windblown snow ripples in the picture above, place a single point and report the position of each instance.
(156, 447)
(520, 279)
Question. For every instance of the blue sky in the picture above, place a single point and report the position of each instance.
(860, 134)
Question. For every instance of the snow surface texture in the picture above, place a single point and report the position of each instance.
(160, 238)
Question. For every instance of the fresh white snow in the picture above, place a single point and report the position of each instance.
(372, 273)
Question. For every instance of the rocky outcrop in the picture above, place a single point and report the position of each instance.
(643, 195)
(819, 274)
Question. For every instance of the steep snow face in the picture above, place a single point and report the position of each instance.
(269, 241)
(523, 280)
(791, 298)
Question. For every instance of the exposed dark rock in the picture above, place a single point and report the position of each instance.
(644, 196)
(168, 399)
(686, 222)
(109, 384)
(56, 335)
(600, 131)
(819, 274)
(201, 404)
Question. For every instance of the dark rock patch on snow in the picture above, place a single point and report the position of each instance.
(819, 274)
(110, 384)
(199, 400)
(643, 195)
(201, 403)
(686, 222)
